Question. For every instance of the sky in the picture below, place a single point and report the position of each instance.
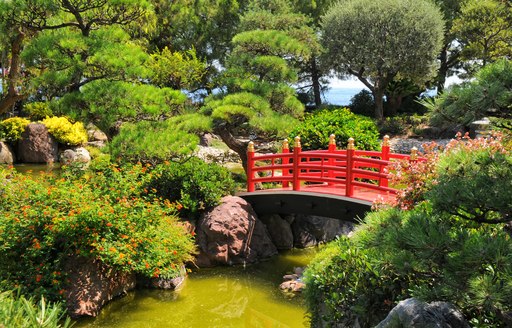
(353, 83)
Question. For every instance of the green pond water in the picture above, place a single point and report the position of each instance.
(219, 297)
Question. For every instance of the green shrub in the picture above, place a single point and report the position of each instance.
(463, 183)
(20, 312)
(316, 128)
(440, 249)
(12, 128)
(362, 103)
(105, 215)
(37, 111)
(399, 254)
(488, 95)
(66, 132)
(151, 142)
(194, 184)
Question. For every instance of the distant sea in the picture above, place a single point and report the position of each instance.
(340, 96)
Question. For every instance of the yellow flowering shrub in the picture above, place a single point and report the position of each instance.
(12, 128)
(66, 132)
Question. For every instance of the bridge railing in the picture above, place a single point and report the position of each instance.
(342, 169)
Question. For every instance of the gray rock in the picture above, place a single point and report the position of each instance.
(231, 234)
(309, 230)
(37, 145)
(6, 154)
(94, 134)
(280, 231)
(417, 314)
(163, 283)
(75, 155)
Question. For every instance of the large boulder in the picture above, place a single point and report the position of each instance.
(280, 231)
(37, 145)
(75, 155)
(310, 230)
(92, 284)
(417, 314)
(231, 234)
(6, 154)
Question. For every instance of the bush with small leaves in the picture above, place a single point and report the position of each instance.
(12, 128)
(38, 110)
(106, 215)
(66, 132)
(316, 128)
(194, 184)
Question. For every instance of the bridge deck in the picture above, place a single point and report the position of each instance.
(361, 193)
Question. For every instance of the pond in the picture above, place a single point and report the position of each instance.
(219, 297)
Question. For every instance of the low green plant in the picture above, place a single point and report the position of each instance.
(20, 312)
(398, 254)
(38, 110)
(66, 132)
(316, 128)
(12, 128)
(445, 239)
(104, 215)
(194, 184)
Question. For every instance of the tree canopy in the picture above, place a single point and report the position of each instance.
(380, 41)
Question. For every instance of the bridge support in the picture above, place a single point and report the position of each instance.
(311, 203)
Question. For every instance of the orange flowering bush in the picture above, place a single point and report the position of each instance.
(415, 179)
(104, 215)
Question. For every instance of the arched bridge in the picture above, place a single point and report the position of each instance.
(337, 183)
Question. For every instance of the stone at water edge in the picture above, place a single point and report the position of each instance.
(231, 233)
(37, 145)
(293, 282)
(6, 154)
(414, 313)
(310, 230)
(75, 155)
(93, 284)
(280, 231)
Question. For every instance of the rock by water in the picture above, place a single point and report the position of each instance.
(231, 233)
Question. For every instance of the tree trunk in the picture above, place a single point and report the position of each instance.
(378, 96)
(443, 69)
(394, 102)
(11, 97)
(315, 78)
(234, 144)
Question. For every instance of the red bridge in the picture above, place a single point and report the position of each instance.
(328, 182)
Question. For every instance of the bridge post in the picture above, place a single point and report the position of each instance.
(414, 154)
(296, 152)
(349, 192)
(250, 166)
(285, 161)
(331, 161)
(383, 182)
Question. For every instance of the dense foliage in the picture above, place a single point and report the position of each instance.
(438, 250)
(151, 142)
(12, 128)
(20, 312)
(194, 184)
(105, 215)
(65, 132)
(382, 41)
(488, 95)
(316, 128)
